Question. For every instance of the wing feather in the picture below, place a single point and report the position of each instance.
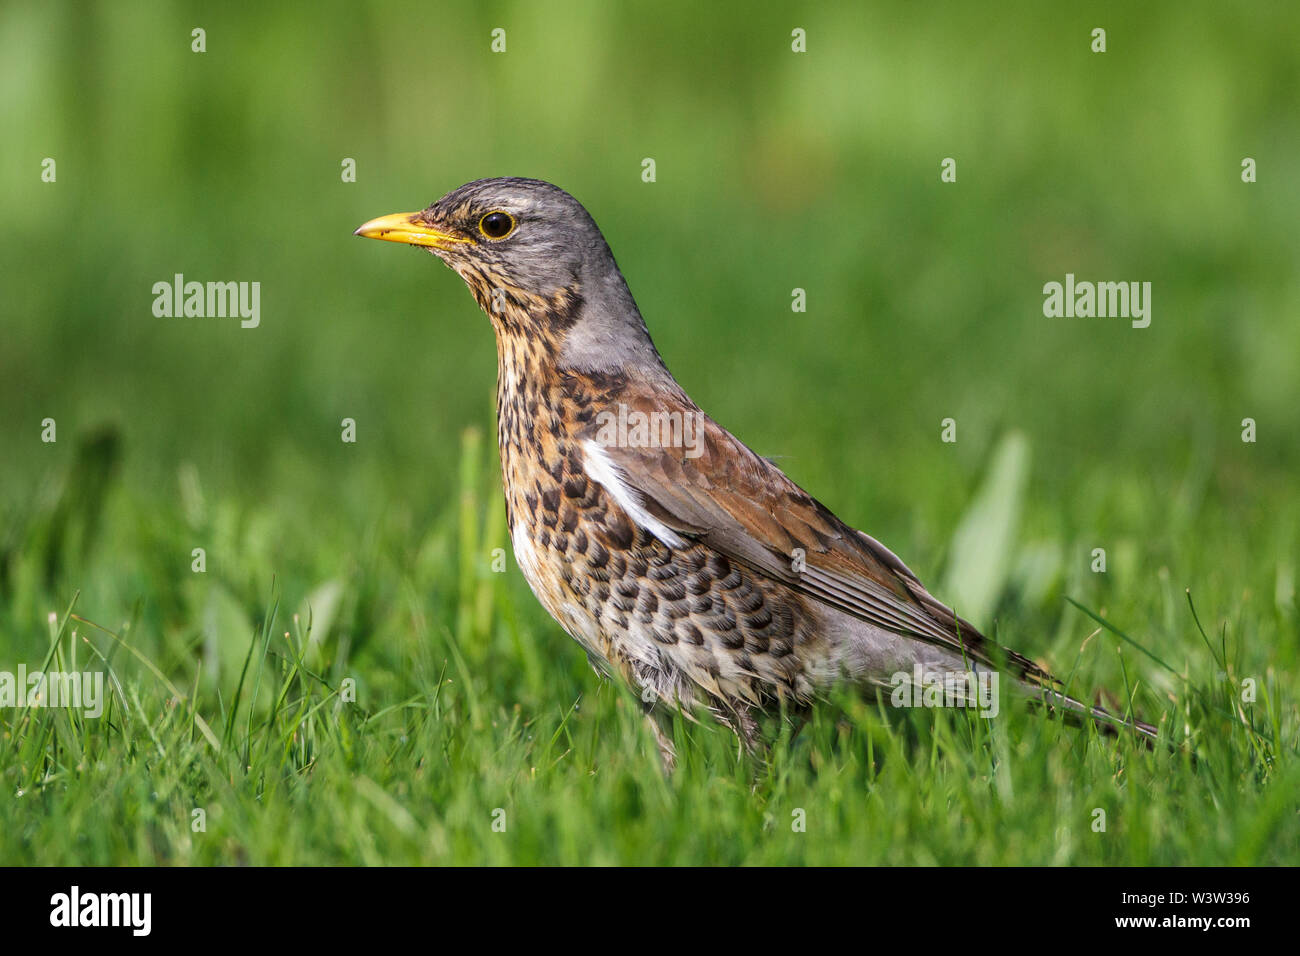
(744, 507)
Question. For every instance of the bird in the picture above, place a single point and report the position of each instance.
(686, 565)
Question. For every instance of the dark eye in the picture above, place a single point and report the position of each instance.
(496, 225)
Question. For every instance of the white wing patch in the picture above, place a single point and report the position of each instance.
(602, 470)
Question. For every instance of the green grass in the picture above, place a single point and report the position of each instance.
(372, 563)
(469, 702)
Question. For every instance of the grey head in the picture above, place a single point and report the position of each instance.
(538, 265)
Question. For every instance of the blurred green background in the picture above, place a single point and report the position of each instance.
(775, 170)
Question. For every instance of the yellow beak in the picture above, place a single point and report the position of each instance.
(407, 227)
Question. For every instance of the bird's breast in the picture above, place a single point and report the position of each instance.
(666, 612)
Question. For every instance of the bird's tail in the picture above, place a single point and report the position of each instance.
(1079, 712)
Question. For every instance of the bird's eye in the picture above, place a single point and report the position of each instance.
(497, 225)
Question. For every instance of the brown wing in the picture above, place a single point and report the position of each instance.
(714, 489)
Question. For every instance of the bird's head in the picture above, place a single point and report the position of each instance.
(537, 264)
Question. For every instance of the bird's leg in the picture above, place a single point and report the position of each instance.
(738, 717)
(756, 745)
(799, 720)
(750, 733)
(667, 752)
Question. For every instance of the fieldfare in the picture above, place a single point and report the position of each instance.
(678, 558)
